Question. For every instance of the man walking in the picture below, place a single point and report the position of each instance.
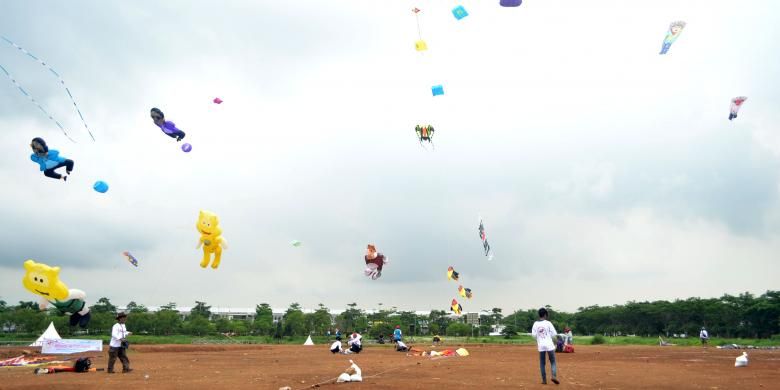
(544, 331)
(704, 336)
(117, 348)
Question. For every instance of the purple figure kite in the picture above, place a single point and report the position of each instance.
(168, 127)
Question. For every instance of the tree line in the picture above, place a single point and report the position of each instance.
(730, 316)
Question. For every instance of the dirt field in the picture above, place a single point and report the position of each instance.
(489, 366)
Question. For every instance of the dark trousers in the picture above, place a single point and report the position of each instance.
(356, 348)
(553, 366)
(118, 352)
(81, 320)
(178, 134)
(68, 164)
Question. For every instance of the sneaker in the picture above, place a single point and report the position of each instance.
(110, 372)
(544, 381)
(555, 380)
(126, 371)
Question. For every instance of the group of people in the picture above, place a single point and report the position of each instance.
(354, 344)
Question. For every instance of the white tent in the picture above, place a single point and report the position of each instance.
(49, 334)
(308, 341)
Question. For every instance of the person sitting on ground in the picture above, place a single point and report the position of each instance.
(354, 342)
(400, 346)
(436, 340)
(663, 342)
(336, 346)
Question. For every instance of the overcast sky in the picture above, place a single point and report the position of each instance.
(604, 171)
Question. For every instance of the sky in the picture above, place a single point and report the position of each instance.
(604, 172)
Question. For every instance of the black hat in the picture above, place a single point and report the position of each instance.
(121, 315)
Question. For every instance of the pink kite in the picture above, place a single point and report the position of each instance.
(218, 100)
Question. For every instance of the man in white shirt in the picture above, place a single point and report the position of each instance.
(117, 345)
(704, 336)
(355, 345)
(544, 332)
(336, 346)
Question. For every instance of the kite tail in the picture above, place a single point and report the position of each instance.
(57, 75)
(33, 101)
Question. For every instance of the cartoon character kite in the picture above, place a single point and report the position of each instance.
(675, 28)
(451, 274)
(374, 262)
(425, 133)
(130, 258)
(464, 292)
(44, 281)
(210, 238)
(736, 103)
(455, 307)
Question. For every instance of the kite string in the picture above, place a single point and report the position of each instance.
(417, 17)
(32, 99)
(40, 61)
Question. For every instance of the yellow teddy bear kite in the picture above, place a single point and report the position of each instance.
(40, 279)
(210, 238)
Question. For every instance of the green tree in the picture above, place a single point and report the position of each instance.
(201, 309)
(352, 319)
(458, 329)
(198, 325)
(133, 307)
(294, 321)
(27, 305)
(103, 305)
(167, 321)
(264, 319)
(321, 320)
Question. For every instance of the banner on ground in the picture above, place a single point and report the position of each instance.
(71, 346)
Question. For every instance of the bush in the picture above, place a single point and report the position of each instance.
(597, 339)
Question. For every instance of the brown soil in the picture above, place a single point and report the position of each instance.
(489, 366)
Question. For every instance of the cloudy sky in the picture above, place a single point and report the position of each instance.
(604, 172)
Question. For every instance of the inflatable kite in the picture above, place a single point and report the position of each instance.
(167, 127)
(485, 244)
(456, 307)
(374, 262)
(295, 243)
(675, 28)
(43, 280)
(49, 160)
(459, 12)
(736, 103)
(100, 186)
(511, 3)
(218, 100)
(420, 45)
(465, 292)
(186, 148)
(451, 274)
(59, 78)
(424, 133)
(131, 258)
(210, 238)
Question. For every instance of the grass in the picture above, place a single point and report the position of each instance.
(26, 339)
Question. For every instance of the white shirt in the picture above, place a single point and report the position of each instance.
(336, 345)
(544, 331)
(703, 334)
(401, 345)
(355, 340)
(118, 332)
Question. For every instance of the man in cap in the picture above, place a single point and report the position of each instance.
(118, 345)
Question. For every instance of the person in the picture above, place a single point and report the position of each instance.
(704, 336)
(400, 346)
(355, 345)
(568, 338)
(338, 333)
(49, 160)
(544, 331)
(336, 346)
(118, 345)
(381, 339)
(436, 339)
(397, 333)
(374, 262)
(168, 127)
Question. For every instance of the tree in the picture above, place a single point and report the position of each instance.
(103, 305)
(198, 325)
(169, 306)
(294, 321)
(3, 305)
(264, 319)
(458, 329)
(201, 309)
(26, 305)
(352, 319)
(509, 331)
(166, 321)
(321, 320)
(133, 307)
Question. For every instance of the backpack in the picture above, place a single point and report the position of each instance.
(82, 364)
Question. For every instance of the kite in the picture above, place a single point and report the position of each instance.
(424, 133)
(217, 100)
(100, 186)
(420, 45)
(675, 28)
(44, 281)
(131, 258)
(459, 12)
(374, 262)
(511, 3)
(210, 238)
(167, 127)
(465, 292)
(437, 90)
(295, 243)
(49, 160)
(485, 244)
(451, 274)
(59, 78)
(736, 103)
(456, 307)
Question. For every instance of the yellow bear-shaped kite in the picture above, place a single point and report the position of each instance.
(40, 279)
(210, 238)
